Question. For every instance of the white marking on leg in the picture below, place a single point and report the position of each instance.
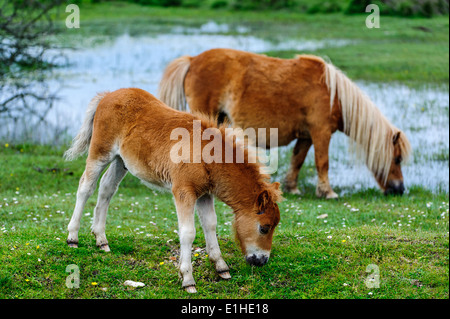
(86, 188)
(208, 218)
(108, 187)
(186, 232)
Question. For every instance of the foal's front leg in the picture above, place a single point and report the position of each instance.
(185, 203)
(208, 218)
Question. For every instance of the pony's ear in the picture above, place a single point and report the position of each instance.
(276, 185)
(263, 199)
(396, 137)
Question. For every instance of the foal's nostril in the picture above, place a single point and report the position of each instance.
(257, 261)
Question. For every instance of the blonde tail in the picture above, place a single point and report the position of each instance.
(171, 88)
(80, 143)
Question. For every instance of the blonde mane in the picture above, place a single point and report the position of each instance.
(370, 131)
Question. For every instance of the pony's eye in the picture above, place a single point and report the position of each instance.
(398, 160)
(264, 229)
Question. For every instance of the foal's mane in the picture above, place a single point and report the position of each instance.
(253, 169)
(370, 131)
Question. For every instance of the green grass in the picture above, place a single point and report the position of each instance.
(406, 237)
(369, 61)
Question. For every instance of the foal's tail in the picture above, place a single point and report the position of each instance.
(171, 88)
(80, 143)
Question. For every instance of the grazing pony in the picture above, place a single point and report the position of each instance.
(132, 130)
(306, 98)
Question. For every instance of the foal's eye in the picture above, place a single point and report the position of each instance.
(264, 229)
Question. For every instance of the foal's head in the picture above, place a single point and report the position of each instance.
(255, 225)
(393, 184)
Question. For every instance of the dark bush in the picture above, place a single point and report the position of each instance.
(161, 3)
(262, 4)
(406, 8)
(219, 4)
(325, 7)
(191, 3)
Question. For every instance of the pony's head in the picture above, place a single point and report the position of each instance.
(391, 182)
(255, 225)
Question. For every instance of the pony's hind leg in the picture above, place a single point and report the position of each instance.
(300, 151)
(86, 188)
(208, 219)
(109, 184)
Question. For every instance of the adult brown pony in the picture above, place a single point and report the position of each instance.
(131, 129)
(306, 98)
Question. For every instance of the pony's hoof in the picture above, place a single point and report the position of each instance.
(293, 190)
(332, 195)
(105, 247)
(190, 289)
(225, 275)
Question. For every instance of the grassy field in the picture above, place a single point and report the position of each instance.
(406, 238)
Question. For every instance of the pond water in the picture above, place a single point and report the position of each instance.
(128, 61)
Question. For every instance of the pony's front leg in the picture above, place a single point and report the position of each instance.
(299, 153)
(321, 140)
(208, 218)
(185, 203)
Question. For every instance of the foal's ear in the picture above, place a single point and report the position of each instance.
(263, 199)
(396, 137)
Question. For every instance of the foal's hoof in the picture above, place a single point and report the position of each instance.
(72, 244)
(105, 247)
(191, 289)
(225, 275)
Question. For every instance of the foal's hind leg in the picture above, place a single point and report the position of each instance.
(301, 149)
(108, 186)
(86, 188)
(208, 218)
